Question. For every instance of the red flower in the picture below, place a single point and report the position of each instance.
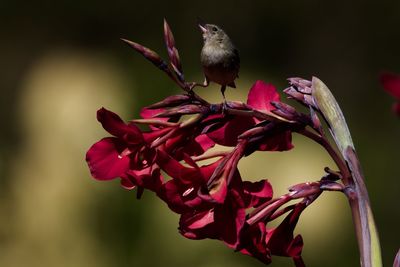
(260, 97)
(260, 242)
(128, 150)
(201, 217)
(225, 221)
(391, 83)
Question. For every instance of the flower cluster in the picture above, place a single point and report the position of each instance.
(181, 137)
(212, 199)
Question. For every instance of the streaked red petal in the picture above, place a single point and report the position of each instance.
(105, 161)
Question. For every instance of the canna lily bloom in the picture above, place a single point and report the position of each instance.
(229, 129)
(126, 154)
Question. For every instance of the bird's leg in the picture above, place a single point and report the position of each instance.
(225, 104)
(194, 84)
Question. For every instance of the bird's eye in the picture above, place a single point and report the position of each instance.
(214, 29)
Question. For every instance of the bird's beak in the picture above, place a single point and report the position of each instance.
(203, 29)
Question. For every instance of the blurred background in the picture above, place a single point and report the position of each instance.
(61, 61)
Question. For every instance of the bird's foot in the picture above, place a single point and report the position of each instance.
(225, 107)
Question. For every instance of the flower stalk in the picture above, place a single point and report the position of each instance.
(213, 200)
(366, 231)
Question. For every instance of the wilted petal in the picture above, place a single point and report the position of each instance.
(261, 94)
(106, 159)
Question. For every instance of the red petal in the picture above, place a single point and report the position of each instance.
(280, 240)
(230, 219)
(147, 113)
(257, 192)
(277, 142)
(261, 94)
(113, 124)
(174, 169)
(391, 83)
(219, 189)
(149, 178)
(296, 246)
(184, 174)
(227, 135)
(253, 243)
(127, 184)
(205, 142)
(201, 219)
(198, 225)
(105, 161)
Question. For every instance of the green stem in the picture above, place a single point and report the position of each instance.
(366, 231)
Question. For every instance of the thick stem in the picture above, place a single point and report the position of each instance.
(356, 191)
(366, 231)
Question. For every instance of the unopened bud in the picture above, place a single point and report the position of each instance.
(170, 101)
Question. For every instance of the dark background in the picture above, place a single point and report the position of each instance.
(61, 61)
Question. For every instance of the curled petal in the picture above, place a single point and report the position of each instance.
(113, 124)
(106, 159)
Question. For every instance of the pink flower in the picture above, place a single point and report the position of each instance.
(391, 83)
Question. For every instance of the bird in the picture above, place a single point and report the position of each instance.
(219, 57)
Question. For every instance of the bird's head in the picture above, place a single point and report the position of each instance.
(212, 33)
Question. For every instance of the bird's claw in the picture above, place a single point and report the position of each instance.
(225, 107)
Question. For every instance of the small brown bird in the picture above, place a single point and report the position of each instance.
(219, 57)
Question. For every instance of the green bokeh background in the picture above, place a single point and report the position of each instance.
(61, 61)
